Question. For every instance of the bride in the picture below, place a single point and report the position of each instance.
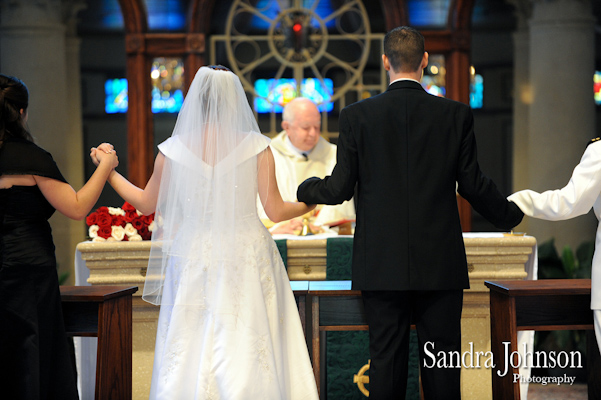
(228, 324)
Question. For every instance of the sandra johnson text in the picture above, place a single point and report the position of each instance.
(478, 359)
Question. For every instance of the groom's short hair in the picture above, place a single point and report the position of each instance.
(404, 47)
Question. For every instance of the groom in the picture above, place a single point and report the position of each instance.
(406, 150)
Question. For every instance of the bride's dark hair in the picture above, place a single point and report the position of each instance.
(14, 97)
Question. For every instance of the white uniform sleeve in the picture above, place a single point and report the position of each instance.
(575, 199)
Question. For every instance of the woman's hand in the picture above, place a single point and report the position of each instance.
(104, 151)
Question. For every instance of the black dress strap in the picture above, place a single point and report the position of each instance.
(22, 157)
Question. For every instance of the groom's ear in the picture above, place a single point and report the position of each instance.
(385, 62)
(424, 60)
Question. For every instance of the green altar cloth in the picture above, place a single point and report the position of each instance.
(347, 352)
(283, 248)
(339, 258)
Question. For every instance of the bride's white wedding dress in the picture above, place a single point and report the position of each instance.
(228, 327)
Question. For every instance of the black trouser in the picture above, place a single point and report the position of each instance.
(437, 317)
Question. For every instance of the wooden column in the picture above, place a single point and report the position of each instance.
(458, 88)
(141, 48)
(140, 136)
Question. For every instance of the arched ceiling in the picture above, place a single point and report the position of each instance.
(170, 15)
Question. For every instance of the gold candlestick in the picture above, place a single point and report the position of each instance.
(306, 230)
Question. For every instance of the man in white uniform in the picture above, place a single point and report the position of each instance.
(300, 153)
(582, 193)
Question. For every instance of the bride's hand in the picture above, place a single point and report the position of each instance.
(104, 147)
(109, 157)
(96, 153)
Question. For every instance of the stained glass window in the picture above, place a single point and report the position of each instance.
(428, 13)
(434, 79)
(274, 94)
(476, 89)
(597, 87)
(115, 96)
(270, 10)
(167, 75)
(166, 15)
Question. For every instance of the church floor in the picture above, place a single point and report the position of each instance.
(577, 391)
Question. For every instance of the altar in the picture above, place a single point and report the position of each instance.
(314, 258)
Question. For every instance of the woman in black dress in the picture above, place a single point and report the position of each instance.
(34, 356)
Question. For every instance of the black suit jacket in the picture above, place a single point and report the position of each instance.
(405, 150)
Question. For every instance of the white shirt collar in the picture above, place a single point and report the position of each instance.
(404, 79)
(296, 149)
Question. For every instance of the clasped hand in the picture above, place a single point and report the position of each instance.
(104, 151)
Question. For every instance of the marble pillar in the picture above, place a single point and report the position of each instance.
(560, 116)
(34, 47)
(74, 134)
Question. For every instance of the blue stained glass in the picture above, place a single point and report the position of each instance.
(166, 15)
(163, 15)
(477, 91)
(434, 85)
(116, 99)
(271, 9)
(109, 12)
(166, 21)
(167, 102)
(274, 94)
(597, 87)
(167, 75)
(428, 13)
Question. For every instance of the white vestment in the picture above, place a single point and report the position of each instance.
(292, 169)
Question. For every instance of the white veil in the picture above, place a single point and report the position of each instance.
(209, 176)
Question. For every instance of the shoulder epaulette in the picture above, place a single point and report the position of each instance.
(594, 140)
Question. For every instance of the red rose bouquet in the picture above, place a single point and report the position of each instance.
(119, 224)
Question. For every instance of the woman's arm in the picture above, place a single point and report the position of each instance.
(77, 205)
(145, 200)
(276, 209)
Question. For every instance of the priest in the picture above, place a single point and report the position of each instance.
(301, 152)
